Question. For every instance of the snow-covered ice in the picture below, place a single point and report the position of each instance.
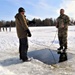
(42, 50)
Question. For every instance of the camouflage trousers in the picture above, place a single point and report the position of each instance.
(62, 36)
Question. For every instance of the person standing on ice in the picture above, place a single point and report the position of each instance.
(23, 32)
(62, 25)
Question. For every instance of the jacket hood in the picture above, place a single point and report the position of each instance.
(17, 15)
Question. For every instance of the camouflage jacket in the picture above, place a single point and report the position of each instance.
(62, 20)
(62, 25)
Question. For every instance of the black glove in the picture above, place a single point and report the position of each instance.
(28, 32)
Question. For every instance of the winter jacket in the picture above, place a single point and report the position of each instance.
(21, 25)
(62, 20)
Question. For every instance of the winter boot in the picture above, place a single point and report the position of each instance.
(64, 50)
(25, 59)
(59, 50)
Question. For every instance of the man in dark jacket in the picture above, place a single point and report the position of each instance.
(62, 25)
(23, 32)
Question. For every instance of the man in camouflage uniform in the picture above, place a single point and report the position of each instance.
(62, 25)
(23, 32)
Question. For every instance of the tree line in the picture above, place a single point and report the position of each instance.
(34, 22)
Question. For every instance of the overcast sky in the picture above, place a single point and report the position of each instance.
(36, 8)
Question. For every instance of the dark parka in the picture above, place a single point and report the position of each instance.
(21, 25)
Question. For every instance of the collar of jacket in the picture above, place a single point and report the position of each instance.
(61, 16)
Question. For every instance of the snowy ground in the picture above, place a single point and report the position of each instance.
(42, 49)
